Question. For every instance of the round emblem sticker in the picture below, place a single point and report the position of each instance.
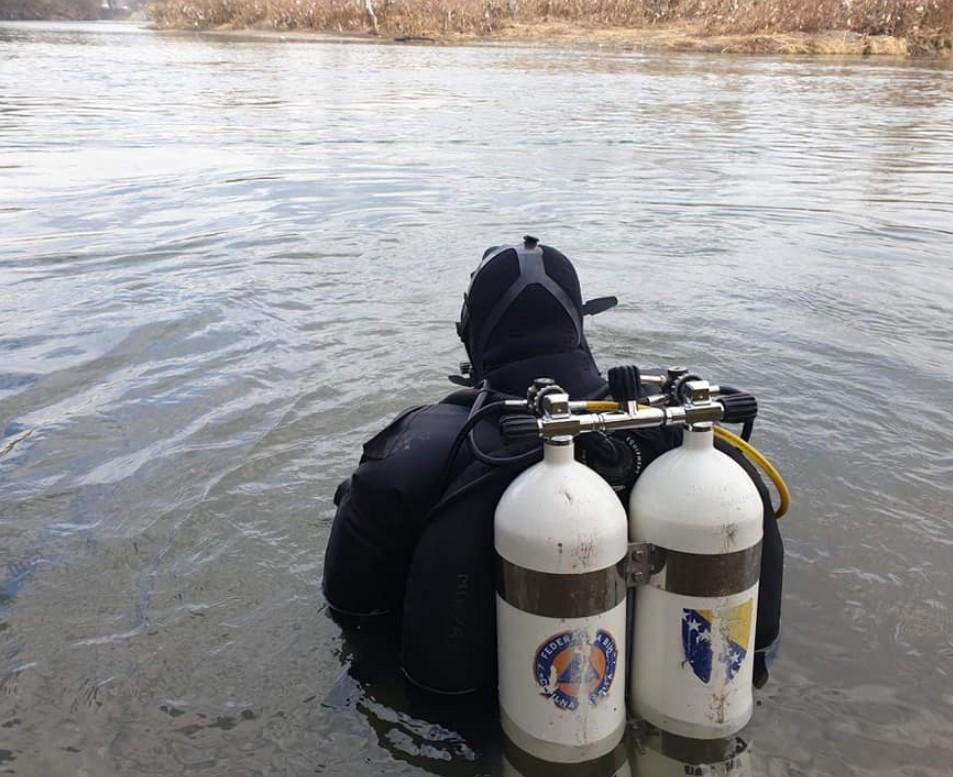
(569, 667)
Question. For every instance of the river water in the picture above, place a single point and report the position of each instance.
(225, 263)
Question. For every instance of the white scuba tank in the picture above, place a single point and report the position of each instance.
(693, 645)
(560, 535)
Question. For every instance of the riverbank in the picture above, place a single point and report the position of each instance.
(841, 27)
(676, 38)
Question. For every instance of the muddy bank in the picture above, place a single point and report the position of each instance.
(695, 37)
(683, 37)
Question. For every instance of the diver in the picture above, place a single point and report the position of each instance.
(413, 532)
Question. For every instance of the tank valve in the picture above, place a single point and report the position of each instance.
(536, 397)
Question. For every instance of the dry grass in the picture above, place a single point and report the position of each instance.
(922, 25)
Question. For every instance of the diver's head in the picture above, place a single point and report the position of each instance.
(523, 303)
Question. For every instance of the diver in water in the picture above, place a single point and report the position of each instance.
(413, 533)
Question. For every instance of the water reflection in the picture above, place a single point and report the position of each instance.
(461, 735)
(645, 752)
(658, 754)
(446, 734)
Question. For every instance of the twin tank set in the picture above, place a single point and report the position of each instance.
(596, 604)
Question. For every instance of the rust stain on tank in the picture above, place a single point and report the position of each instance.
(584, 552)
(729, 534)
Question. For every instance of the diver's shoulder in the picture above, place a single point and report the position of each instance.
(420, 427)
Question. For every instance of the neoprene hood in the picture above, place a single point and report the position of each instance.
(523, 302)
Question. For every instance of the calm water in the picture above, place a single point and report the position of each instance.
(225, 263)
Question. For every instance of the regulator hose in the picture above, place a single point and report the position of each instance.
(495, 461)
(766, 466)
(479, 412)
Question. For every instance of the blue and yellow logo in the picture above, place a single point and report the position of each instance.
(569, 667)
(696, 640)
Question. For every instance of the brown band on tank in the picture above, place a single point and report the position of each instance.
(700, 574)
(530, 766)
(560, 595)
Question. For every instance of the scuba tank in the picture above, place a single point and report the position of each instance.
(693, 645)
(560, 535)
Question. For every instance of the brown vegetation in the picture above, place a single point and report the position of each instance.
(49, 9)
(921, 25)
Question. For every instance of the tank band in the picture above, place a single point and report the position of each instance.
(528, 765)
(560, 595)
(699, 574)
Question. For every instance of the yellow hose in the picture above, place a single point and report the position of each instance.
(767, 467)
(605, 406)
(601, 406)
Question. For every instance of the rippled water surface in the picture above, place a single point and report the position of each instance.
(226, 262)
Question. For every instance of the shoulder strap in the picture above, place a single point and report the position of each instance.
(464, 397)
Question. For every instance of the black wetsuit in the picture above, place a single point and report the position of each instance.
(414, 536)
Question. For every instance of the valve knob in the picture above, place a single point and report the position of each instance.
(739, 408)
(625, 383)
(515, 428)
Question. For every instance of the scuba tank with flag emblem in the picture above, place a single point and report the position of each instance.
(693, 646)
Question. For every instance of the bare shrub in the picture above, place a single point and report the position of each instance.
(915, 19)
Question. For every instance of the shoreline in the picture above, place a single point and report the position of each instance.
(682, 37)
